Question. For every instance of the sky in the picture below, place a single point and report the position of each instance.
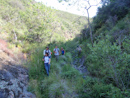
(75, 9)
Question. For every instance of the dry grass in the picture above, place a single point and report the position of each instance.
(10, 56)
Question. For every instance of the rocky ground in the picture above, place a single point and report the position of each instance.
(78, 63)
(13, 76)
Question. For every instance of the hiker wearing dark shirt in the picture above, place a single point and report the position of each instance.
(62, 51)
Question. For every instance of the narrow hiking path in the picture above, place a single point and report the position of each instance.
(13, 76)
(78, 63)
(66, 76)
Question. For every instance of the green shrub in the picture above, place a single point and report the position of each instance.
(93, 88)
(69, 57)
(107, 61)
(69, 72)
(58, 90)
(56, 67)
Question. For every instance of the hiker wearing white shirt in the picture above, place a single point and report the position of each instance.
(56, 53)
(47, 51)
(47, 61)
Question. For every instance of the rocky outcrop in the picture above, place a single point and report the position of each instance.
(14, 82)
(13, 77)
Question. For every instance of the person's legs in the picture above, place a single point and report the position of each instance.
(46, 67)
(57, 57)
(49, 67)
(79, 52)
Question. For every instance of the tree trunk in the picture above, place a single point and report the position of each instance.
(91, 35)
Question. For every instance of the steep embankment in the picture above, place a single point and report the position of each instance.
(109, 59)
(13, 76)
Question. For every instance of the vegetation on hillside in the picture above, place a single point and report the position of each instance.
(26, 23)
(109, 58)
(68, 19)
(107, 61)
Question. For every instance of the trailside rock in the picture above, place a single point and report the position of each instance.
(13, 77)
(13, 82)
(11, 94)
(3, 93)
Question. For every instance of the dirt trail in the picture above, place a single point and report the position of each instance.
(13, 77)
(78, 63)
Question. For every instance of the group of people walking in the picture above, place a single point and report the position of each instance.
(47, 56)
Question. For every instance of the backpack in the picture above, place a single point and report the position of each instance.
(57, 49)
(48, 51)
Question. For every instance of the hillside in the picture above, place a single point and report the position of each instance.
(27, 22)
(108, 59)
(73, 21)
(26, 26)
(101, 70)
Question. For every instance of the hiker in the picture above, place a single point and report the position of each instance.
(62, 51)
(47, 51)
(47, 61)
(56, 53)
(79, 49)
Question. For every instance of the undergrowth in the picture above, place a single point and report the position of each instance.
(105, 62)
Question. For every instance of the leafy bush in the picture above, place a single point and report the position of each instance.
(58, 90)
(93, 88)
(116, 8)
(69, 57)
(107, 61)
